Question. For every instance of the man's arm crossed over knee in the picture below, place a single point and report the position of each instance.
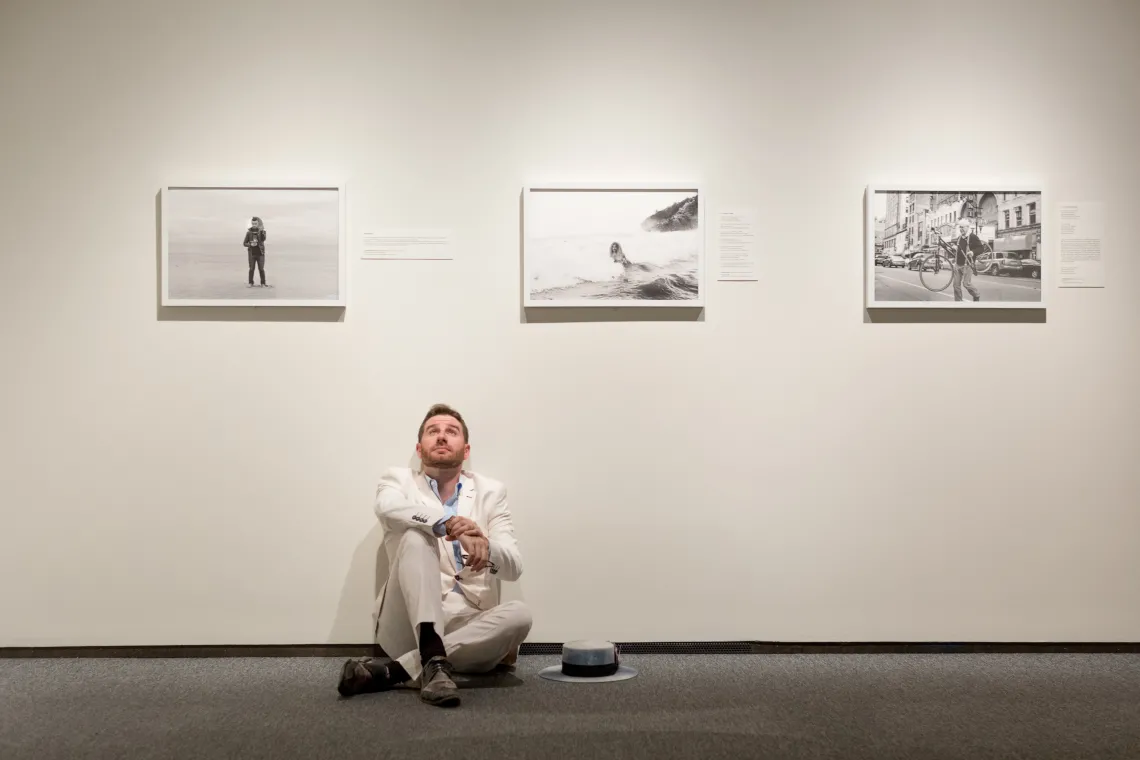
(399, 510)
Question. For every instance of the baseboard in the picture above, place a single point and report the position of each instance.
(555, 648)
(850, 647)
(203, 651)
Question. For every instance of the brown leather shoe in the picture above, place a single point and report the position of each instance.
(436, 686)
(364, 675)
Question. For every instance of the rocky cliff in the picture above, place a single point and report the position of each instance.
(680, 216)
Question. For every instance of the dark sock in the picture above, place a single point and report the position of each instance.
(397, 674)
(431, 645)
(384, 676)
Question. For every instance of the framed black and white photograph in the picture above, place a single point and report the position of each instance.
(613, 245)
(253, 246)
(954, 247)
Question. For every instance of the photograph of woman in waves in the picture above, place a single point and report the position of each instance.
(613, 248)
(658, 285)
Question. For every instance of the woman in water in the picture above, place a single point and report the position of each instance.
(619, 257)
(658, 285)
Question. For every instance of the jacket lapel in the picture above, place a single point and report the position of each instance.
(466, 505)
(424, 488)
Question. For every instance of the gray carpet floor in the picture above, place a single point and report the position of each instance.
(882, 706)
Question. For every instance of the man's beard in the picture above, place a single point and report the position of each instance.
(433, 458)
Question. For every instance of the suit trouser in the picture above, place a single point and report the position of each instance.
(964, 275)
(475, 640)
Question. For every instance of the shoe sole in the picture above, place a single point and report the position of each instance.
(347, 676)
(452, 700)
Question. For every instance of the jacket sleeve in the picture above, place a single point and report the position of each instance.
(976, 245)
(397, 510)
(503, 547)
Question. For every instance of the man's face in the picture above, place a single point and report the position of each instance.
(442, 444)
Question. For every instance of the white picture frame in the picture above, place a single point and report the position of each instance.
(1012, 274)
(569, 233)
(304, 254)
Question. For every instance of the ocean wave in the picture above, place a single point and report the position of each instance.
(677, 282)
(564, 262)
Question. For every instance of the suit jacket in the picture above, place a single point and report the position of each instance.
(405, 501)
(973, 243)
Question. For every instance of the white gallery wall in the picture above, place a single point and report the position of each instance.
(786, 467)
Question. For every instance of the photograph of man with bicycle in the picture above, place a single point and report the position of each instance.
(954, 248)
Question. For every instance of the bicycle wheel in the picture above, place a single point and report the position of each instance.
(936, 272)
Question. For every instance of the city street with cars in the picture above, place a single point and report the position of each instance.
(894, 283)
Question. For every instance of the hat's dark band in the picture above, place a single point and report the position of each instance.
(589, 671)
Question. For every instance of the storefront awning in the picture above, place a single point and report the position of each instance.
(1016, 243)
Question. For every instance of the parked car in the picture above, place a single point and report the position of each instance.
(882, 259)
(1008, 263)
(895, 260)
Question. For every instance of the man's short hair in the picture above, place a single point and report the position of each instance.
(438, 409)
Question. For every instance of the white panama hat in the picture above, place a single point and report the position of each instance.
(589, 661)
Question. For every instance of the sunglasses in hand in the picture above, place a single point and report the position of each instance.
(488, 565)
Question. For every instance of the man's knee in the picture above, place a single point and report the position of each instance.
(415, 543)
(517, 617)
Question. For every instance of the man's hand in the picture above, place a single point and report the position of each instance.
(457, 527)
(478, 550)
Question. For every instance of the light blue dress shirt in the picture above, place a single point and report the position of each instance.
(451, 509)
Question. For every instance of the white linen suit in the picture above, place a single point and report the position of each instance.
(478, 631)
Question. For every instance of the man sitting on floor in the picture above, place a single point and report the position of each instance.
(450, 542)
